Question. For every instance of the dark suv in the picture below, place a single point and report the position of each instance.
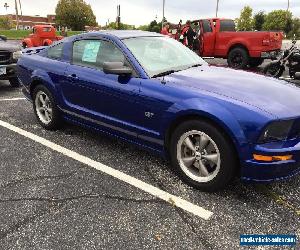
(9, 54)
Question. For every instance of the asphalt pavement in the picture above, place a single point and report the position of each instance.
(49, 200)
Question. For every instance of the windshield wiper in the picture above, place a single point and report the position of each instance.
(169, 72)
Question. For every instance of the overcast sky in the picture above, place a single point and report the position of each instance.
(139, 12)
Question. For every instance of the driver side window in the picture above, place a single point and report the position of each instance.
(93, 53)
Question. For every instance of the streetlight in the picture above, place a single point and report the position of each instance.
(17, 15)
(217, 8)
(6, 6)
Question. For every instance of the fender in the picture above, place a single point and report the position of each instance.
(27, 42)
(47, 42)
(42, 76)
(211, 110)
(237, 42)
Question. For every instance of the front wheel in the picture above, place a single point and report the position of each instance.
(274, 69)
(202, 155)
(45, 108)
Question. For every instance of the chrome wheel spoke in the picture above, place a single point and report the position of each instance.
(188, 142)
(189, 161)
(42, 100)
(202, 169)
(204, 141)
(47, 116)
(214, 158)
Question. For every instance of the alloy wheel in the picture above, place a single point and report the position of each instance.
(198, 156)
(43, 107)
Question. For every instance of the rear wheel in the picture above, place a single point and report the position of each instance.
(45, 108)
(24, 45)
(274, 69)
(202, 155)
(255, 62)
(238, 58)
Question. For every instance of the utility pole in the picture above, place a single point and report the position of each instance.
(217, 8)
(163, 19)
(21, 19)
(118, 17)
(17, 15)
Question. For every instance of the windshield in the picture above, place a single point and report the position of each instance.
(162, 54)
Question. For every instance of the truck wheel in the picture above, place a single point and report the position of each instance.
(255, 62)
(238, 58)
(14, 82)
(46, 109)
(202, 155)
(24, 45)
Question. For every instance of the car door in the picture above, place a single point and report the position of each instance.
(93, 94)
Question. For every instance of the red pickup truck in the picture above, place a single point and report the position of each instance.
(42, 35)
(219, 38)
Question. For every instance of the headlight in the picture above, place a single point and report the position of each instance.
(276, 131)
(17, 55)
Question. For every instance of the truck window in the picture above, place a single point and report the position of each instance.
(227, 25)
(206, 26)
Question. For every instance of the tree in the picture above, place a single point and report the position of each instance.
(295, 29)
(5, 23)
(279, 20)
(75, 14)
(123, 26)
(245, 22)
(259, 20)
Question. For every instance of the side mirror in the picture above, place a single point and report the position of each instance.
(116, 68)
(297, 76)
(3, 38)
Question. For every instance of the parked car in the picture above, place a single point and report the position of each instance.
(218, 38)
(9, 54)
(42, 35)
(211, 122)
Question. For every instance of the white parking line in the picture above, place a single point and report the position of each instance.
(12, 99)
(174, 200)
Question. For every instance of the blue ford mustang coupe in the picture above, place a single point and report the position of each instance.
(211, 122)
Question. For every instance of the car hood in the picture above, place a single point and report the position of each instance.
(276, 97)
(9, 46)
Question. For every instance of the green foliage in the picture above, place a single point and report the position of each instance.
(278, 20)
(154, 26)
(75, 14)
(295, 29)
(123, 26)
(245, 22)
(5, 23)
(259, 20)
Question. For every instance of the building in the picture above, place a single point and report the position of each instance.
(27, 22)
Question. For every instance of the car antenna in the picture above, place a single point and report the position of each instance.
(163, 81)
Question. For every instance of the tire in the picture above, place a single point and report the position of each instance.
(14, 82)
(47, 113)
(25, 46)
(238, 58)
(274, 69)
(255, 62)
(218, 156)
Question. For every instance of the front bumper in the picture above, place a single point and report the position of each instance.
(270, 54)
(11, 71)
(257, 171)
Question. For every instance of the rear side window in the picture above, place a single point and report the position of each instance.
(227, 25)
(206, 26)
(93, 53)
(55, 52)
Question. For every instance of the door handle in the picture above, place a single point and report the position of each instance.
(74, 76)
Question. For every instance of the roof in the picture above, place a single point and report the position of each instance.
(123, 34)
